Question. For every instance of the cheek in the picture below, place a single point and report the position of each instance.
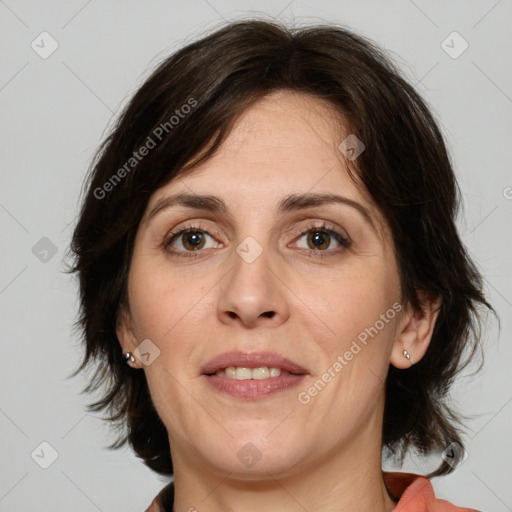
(162, 303)
(350, 302)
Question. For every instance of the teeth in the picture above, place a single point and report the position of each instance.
(242, 373)
(260, 373)
(275, 372)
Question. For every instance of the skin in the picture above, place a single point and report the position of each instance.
(320, 456)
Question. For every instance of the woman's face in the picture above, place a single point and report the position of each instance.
(245, 280)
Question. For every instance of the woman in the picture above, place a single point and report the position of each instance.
(268, 241)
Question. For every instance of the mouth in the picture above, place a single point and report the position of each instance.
(252, 376)
(245, 373)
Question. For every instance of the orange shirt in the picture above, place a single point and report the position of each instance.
(414, 492)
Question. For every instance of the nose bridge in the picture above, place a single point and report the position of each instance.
(251, 292)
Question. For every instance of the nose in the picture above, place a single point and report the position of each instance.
(252, 294)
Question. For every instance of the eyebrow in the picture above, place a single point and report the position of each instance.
(294, 202)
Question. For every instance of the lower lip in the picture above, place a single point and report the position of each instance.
(253, 389)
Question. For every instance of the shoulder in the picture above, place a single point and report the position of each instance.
(416, 494)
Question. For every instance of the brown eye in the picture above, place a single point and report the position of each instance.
(193, 240)
(319, 240)
(190, 241)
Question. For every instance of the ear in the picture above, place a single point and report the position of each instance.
(415, 331)
(126, 335)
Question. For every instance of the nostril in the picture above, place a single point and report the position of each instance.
(268, 314)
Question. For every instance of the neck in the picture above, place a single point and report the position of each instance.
(352, 493)
(348, 480)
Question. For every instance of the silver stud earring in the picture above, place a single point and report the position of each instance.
(406, 354)
(128, 358)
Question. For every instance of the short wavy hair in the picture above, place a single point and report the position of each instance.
(405, 168)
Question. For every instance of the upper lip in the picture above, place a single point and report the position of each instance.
(251, 360)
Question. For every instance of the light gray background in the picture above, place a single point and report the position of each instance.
(54, 114)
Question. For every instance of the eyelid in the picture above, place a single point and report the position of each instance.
(343, 239)
(193, 226)
(322, 225)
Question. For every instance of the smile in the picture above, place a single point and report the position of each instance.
(244, 373)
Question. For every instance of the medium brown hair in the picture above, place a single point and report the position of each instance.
(405, 168)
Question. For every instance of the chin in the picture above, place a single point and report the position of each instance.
(253, 457)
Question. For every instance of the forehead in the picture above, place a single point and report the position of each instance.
(287, 119)
(285, 143)
(283, 135)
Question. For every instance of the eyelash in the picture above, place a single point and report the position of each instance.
(322, 228)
